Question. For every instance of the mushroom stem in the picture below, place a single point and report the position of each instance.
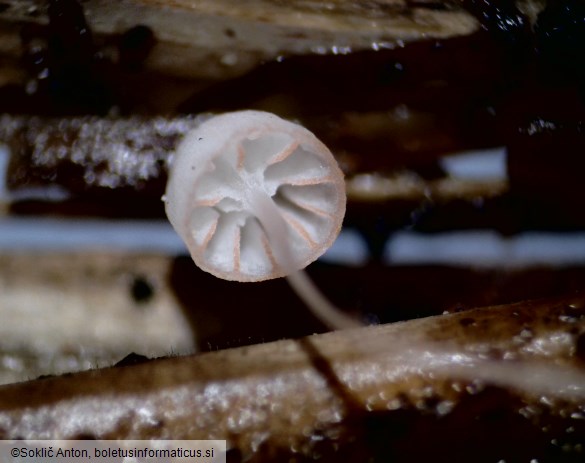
(277, 232)
(323, 309)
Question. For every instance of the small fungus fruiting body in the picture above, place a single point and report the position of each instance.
(254, 197)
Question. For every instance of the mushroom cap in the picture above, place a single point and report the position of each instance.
(231, 173)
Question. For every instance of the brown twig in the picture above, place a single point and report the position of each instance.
(323, 393)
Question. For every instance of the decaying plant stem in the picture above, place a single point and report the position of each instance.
(223, 38)
(306, 394)
(122, 154)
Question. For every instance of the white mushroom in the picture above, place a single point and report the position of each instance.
(256, 197)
